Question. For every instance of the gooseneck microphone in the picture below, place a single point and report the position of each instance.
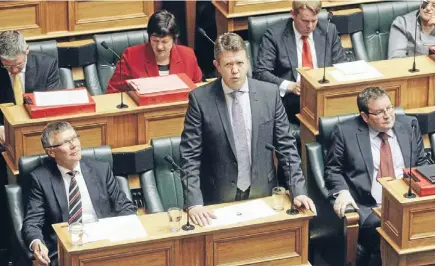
(292, 210)
(188, 226)
(410, 194)
(423, 6)
(204, 34)
(329, 18)
(122, 105)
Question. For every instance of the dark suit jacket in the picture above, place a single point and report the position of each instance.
(42, 73)
(48, 202)
(138, 62)
(349, 163)
(208, 152)
(278, 61)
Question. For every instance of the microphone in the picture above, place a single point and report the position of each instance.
(122, 105)
(204, 34)
(423, 6)
(188, 226)
(329, 18)
(410, 194)
(292, 210)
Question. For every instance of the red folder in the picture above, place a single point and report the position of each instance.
(420, 184)
(164, 95)
(57, 110)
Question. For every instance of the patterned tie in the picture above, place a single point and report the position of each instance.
(386, 167)
(239, 135)
(307, 55)
(18, 89)
(75, 200)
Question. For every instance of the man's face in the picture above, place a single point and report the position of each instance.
(68, 153)
(161, 47)
(15, 66)
(305, 21)
(381, 116)
(233, 67)
(427, 14)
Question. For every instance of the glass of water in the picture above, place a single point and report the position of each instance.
(76, 234)
(278, 196)
(174, 215)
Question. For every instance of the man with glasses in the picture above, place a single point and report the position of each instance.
(373, 145)
(68, 189)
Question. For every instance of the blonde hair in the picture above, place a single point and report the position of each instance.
(229, 42)
(313, 5)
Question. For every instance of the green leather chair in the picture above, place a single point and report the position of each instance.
(17, 194)
(161, 186)
(97, 75)
(371, 44)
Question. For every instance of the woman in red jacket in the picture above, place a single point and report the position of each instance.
(160, 56)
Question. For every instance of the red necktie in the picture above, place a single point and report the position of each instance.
(307, 55)
(386, 167)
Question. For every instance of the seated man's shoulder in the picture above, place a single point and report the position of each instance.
(95, 163)
(279, 27)
(42, 57)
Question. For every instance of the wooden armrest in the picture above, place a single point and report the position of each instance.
(377, 211)
(351, 234)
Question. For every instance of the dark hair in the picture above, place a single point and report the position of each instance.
(370, 93)
(162, 23)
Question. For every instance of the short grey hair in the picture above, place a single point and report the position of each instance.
(12, 44)
(370, 93)
(229, 42)
(53, 128)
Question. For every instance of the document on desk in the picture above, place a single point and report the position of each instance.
(242, 212)
(62, 97)
(357, 70)
(157, 84)
(114, 229)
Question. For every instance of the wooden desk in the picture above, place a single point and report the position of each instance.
(276, 240)
(407, 226)
(107, 126)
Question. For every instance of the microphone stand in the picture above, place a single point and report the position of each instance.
(324, 80)
(423, 6)
(410, 194)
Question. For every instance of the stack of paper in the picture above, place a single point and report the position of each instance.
(62, 97)
(356, 70)
(157, 84)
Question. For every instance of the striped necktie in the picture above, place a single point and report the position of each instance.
(74, 200)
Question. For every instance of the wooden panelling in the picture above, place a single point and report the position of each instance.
(192, 251)
(27, 17)
(164, 124)
(57, 21)
(422, 224)
(124, 131)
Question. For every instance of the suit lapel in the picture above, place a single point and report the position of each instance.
(58, 185)
(291, 47)
(362, 136)
(176, 63)
(150, 64)
(255, 107)
(224, 113)
(404, 142)
(319, 40)
(92, 185)
(30, 74)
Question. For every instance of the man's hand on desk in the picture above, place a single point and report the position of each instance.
(200, 215)
(303, 200)
(344, 198)
(40, 252)
(2, 135)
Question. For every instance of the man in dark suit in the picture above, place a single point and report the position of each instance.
(67, 189)
(374, 144)
(297, 42)
(227, 125)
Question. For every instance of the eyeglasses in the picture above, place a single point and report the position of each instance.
(380, 113)
(65, 142)
(20, 65)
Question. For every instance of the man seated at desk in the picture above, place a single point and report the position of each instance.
(228, 123)
(159, 57)
(23, 71)
(68, 189)
(402, 36)
(294, 43)
(372, 145)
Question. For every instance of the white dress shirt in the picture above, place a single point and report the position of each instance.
(397, 158)
(22, 76)
(299, 42)
(244, 100)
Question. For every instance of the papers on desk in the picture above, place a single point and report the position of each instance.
(351, 71)
(242, 212)
(114, 229)
(62, 97)
(157, 84)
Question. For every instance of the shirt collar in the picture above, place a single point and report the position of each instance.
(64, 170)
(373, 134)
(298, 35)
(227, 90)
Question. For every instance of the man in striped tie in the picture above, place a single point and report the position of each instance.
(68, 189)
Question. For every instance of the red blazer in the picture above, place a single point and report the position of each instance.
(141, 63)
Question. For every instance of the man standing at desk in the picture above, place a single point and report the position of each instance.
(68, 189)
(227, 125)
(372, 145)
(297, 42)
